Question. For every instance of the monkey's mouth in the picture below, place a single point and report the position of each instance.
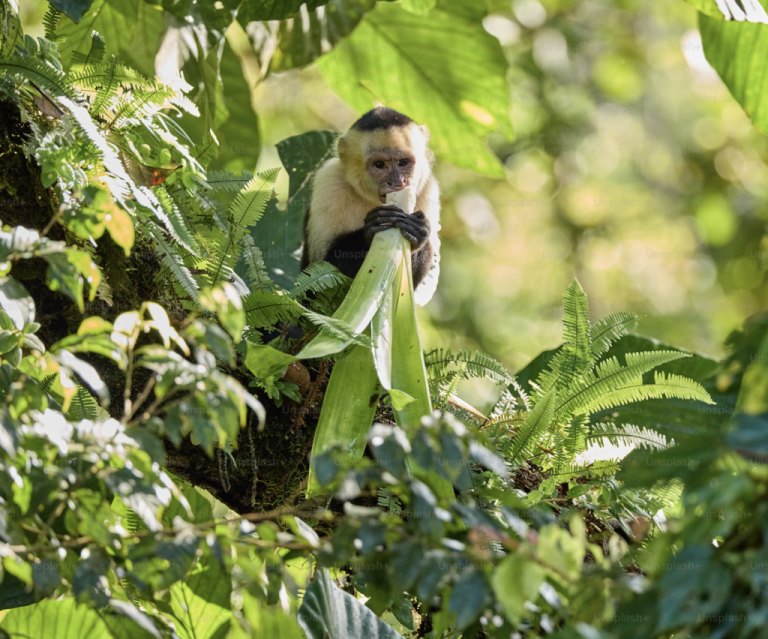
(389, 189)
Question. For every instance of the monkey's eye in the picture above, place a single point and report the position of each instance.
(379, 164)
(404, 162)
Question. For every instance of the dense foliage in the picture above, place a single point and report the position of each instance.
(150, 302)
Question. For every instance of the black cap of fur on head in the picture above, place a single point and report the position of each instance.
(381, 118)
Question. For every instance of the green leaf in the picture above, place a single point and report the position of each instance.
(239, 137)
(132, 31)
(535, 424)
(398, 59)
(419, 7)
(312, 32)
(348, 409)
(16, 302)
(274, 9)
(265, 361)
(75, 9)
(468, 597)
(279, 232)
(365, 295)
(328, 612)
(10, 28)
(201, 602)
(737, 51)
(38, 72)
(69, 620)
(730, 10)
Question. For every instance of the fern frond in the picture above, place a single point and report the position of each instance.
(174, 221)
(142, 102)
(267, 308)
(628, 435)
(573, 441)
(317, 277)
(589, 471)
(106, 80)
(94, 56)
(173, 262)
(47, 383)
(258, 278)
(575, 357)
(207, 149)
(477, 365)
(337, 328)
(447, 388)
(389, 503)
(532, 429)
(611, 382)
(575, 334)
(227, 181)
(83, 405)
(40, 73)
(51, 22)
(609, 329)
(668, 492)
(249, 205)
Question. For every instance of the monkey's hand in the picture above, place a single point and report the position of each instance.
(415, 228)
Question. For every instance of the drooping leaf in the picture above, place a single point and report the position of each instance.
(131, 29)
(399, 59)
(737, 50)
(279, 232)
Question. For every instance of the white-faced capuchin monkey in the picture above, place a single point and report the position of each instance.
(383, 152)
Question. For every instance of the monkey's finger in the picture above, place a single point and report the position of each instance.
(419, 215)
(392, 218)
(414, 225)
(389, 208)
(380, 227)
(384, 215)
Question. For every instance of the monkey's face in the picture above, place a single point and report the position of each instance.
(389, 170)
(385, 160)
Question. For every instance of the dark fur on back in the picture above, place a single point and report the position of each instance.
(381, 118)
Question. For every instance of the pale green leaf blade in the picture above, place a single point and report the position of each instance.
(348, 408)
(70, 621)
(365, 295)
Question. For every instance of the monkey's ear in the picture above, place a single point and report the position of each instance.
(343, 149)
(425, 131)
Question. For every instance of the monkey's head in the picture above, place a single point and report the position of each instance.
(383, 152)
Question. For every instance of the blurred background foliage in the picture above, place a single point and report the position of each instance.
(631, 168)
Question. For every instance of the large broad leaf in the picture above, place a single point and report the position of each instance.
(275, 9)
(239, 137)
(62, 619)
(310, 30)
(201, 602)
(348, 409)
(329, 612)
(443, 70)
(131, 30)
(10, 28)
(738, 51)
(279, 232)
(75, 9)
(730, 10)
